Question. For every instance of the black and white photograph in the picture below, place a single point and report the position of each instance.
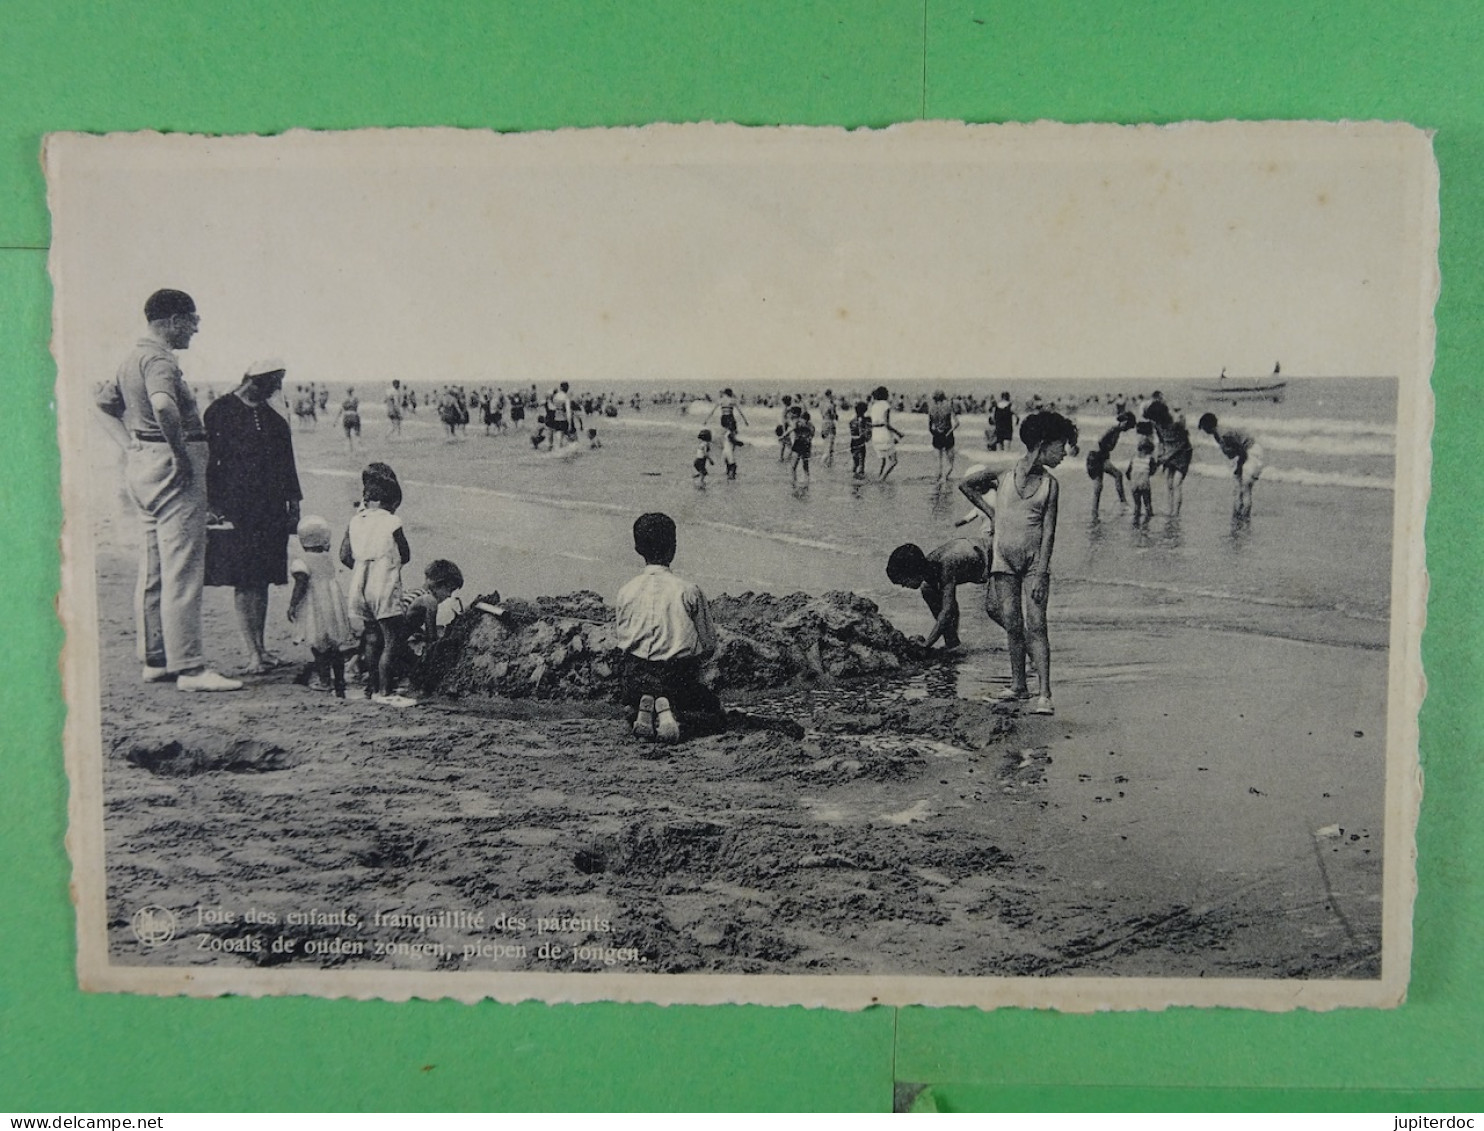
(945, 564)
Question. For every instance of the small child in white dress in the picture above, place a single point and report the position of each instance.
(377, 550)
(317, 608)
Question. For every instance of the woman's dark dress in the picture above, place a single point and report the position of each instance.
(250, 479)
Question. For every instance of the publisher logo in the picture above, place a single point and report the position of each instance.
(153, 925)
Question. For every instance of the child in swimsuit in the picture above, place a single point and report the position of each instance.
(937, 576)
(1246, 456)
(1024, 512)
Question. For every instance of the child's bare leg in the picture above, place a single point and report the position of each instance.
(388, 629)
(1007, 591)
(372, 654)
(992, 607)
(1038, 644)
(337, 672)
(1117, 483)
(1097, 495)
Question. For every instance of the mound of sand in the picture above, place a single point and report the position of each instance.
(565, 647)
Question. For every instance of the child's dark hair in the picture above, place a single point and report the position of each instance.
(1144, 428)
(907, 563)
(704, 435)
(880, 393)
(860, 408)
(390, 495)
(1159, 412)
(382, 492)
(592, 433)
(1047, 427)
(1126, 420)
(654, 537)
(1207, 422)
(444, 573)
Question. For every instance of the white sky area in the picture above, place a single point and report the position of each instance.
(701, 255)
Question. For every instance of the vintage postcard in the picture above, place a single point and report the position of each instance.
(947, 564)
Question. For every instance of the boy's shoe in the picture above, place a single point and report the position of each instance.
(1043, 706)
(207, 680)
(666, 726)
(644, 721)
(394, 700)
(1009, 694)
(156, 675)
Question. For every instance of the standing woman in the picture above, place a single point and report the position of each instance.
(252, 483)
(884, 434)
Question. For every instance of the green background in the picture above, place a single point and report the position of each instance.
(270, 65)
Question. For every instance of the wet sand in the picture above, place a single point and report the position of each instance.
(1157, 826)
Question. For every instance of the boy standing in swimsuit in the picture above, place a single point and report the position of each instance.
(1024, 514)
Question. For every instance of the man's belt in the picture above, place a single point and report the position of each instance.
(159, 437)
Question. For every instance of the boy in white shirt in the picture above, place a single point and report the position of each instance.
(664, 628)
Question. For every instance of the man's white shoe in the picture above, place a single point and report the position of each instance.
(207, 680)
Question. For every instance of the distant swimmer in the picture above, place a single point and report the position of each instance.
(1100, 461)
(860, 436)
(1024, 513)
(942, 424)
(937, 574)
(1246, 456)
(729, 410)
(884, 434)
(1001, 430)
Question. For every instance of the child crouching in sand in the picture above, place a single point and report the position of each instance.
(317, 607)
(937, 575)
(664, 629)
(1024, 511)
(417, 633)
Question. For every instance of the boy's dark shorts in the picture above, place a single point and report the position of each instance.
(943, 441)
(676, 680)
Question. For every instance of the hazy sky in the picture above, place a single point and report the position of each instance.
(708, 254)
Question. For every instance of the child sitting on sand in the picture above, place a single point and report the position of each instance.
(1246, 456)
(664, 629)
(417, 631)
(375, 548)
(1024, 512)
(703, 455)
(317, 607)
(938, 574)
(593, 442)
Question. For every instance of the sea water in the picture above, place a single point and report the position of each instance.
(1313, 564)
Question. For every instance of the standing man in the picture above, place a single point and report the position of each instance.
(150, 411)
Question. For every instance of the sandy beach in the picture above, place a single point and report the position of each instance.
(1185, 813)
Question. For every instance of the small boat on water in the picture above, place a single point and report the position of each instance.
(1235, 389)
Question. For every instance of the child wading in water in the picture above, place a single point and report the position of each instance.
(703, 455)
(1141, 475)
(317, 608)
(803, 446)
(860, 435)
(375, 548)
(1246, 456)
(1024, 513)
